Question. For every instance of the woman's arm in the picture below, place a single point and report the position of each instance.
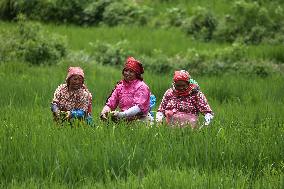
(161, 110)
(130, 112)
(204, 107)
(112, 101)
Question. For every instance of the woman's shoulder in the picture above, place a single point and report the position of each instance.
(141, 85)
(61, 87)
(169, 92)
(86, 90)
(119, 85)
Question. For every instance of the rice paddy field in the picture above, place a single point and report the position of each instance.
(242, 148)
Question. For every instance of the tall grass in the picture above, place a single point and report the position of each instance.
(242, 149)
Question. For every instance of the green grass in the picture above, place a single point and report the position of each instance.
(242, 149)
(142, 40)
(219, 7)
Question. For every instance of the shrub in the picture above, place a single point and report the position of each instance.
(201, 24)
(125, 13)
(31, 44)
(158, 63)
(175, 16)
(251, 23)
(62, 11)
(77, 11)
(7, 10)
(107, 54)
(93, 13)
(70, 11)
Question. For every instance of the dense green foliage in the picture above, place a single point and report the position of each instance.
(27, 41)
(30, 43)
(244, 144)
(249, 21)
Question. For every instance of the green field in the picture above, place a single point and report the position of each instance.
(242, 148)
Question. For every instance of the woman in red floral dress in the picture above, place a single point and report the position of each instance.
(182, 103)
(72, 99)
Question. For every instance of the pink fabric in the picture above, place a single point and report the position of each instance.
(75, 71)
(184, 107)
(67, 100)
(180, 118)
(129, 94)
(105, 110)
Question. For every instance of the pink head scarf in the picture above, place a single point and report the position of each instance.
(74, 71)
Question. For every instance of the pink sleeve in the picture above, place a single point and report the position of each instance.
(202, 103)
(164, 102)
(142, 98)
(113, 100)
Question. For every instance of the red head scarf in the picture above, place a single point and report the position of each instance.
(181, 75)
(134, 65)
(74, 71)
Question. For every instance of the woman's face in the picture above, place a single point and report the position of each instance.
(181, 85)
(128, 75)
(75, 82)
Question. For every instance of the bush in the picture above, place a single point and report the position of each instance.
(93, 13)
(175, 16)
(158, 63)
(251, 23)
(9, 9)
(125, 13)
(31, 44)
(201, 24)
(107, 54)
(77, 11)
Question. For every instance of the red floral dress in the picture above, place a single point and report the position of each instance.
(194, 103)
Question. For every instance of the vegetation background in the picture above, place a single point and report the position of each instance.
(233, 49)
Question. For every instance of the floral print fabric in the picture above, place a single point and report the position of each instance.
(68, 100)
(194, 103)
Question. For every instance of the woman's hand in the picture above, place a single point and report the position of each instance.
(105, 113)
(159, 117)
(56, 115)
(208, 118)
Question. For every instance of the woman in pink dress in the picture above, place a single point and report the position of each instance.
(182, 103)
(131, 95)
(72, 99)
